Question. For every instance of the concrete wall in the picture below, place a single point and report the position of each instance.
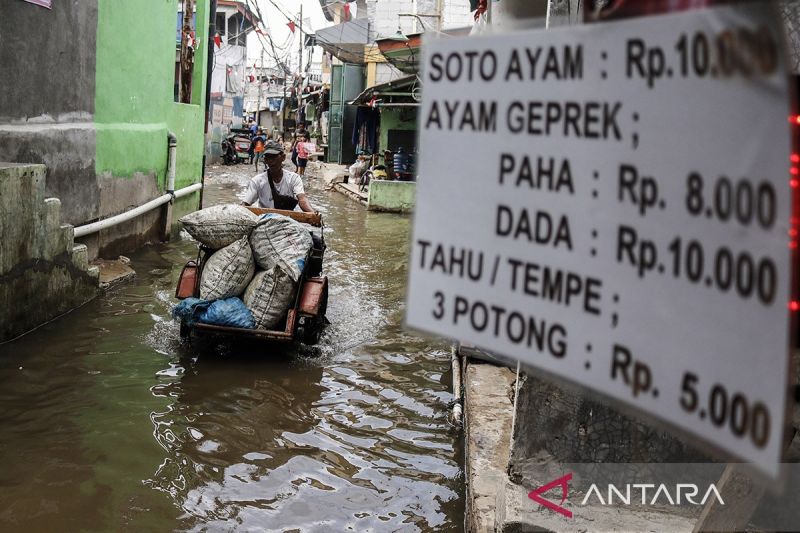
(566, 424)
(42, 273)
(93, 101)
(48, 97)
(395, 118)
(391, 196)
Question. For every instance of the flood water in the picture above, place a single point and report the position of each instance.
(109, 422)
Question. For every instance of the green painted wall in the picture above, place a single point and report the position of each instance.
(392, 196)
(392, 119)
(134, 102)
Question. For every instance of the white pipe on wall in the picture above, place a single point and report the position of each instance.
(94, 227)
(172, 143)
(455, 364)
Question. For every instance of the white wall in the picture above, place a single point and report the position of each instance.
(225, 55)
(234, 56)
(455, 14)
(385, 72)
(385, 20)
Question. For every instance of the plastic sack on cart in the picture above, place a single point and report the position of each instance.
(220, 225)
(231, 312)
(190, 310)
(280, 241)
(269, 297)
(228, 271)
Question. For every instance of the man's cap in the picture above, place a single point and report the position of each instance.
(273, 148)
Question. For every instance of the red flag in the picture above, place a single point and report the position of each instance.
(346, 16)
(259, 30)
(218, 40)
(291, 25)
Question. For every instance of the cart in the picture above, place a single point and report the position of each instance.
(304, 321)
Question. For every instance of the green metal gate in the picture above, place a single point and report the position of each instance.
(347, 82)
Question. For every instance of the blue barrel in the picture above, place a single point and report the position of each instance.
(403, 162)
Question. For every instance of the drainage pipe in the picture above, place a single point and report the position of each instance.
(455, 363)
(172, 143)
(94, 227)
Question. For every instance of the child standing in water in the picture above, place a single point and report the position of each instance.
(302, 154)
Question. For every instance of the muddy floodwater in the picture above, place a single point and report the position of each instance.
(109, 422)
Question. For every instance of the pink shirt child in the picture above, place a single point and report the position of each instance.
(302, 150)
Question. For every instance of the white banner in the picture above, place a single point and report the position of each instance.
(612, 203)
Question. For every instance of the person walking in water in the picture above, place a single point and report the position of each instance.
(302, 154)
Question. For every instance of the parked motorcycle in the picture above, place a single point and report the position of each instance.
(236, 148)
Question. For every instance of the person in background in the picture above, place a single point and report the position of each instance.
(302, 154)
(388, 162)
(298, 135)
(357, 169)
(271, 188)
(257, 146)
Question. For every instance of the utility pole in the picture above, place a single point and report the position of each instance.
(258, 79)
(187, 53)
(300, 27)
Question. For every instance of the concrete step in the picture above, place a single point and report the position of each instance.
(80, 256)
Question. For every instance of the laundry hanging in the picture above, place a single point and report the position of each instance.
(365, 130)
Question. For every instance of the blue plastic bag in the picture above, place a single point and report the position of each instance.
(190, 310)
(230, 312)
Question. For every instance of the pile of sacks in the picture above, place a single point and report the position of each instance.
(257, 260)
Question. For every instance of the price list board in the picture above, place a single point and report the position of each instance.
(612, 203)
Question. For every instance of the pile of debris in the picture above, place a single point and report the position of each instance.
(252, 268)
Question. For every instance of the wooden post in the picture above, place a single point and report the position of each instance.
(187, 53)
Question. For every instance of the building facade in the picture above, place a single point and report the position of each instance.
(233, 23)
(94, 102)
(86, 117)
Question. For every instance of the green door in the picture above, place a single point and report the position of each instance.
(347, 82)
(335, 118)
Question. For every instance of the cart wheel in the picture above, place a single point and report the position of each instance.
(311, 334)
(185, 331)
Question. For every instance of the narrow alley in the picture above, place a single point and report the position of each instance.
(349, 435)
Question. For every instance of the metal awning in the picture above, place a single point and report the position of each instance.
(390, 91)
(404, 51)
(404, 55)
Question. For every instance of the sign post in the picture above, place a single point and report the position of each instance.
(612, 203)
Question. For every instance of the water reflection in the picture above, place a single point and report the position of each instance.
(113, 423)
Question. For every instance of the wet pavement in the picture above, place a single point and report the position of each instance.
(109, 422)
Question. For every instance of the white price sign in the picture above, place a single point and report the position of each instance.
(612, 203)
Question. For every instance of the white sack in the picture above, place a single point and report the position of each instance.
(228, 271)
(279, 240)
(269, 297)
(220, 225)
